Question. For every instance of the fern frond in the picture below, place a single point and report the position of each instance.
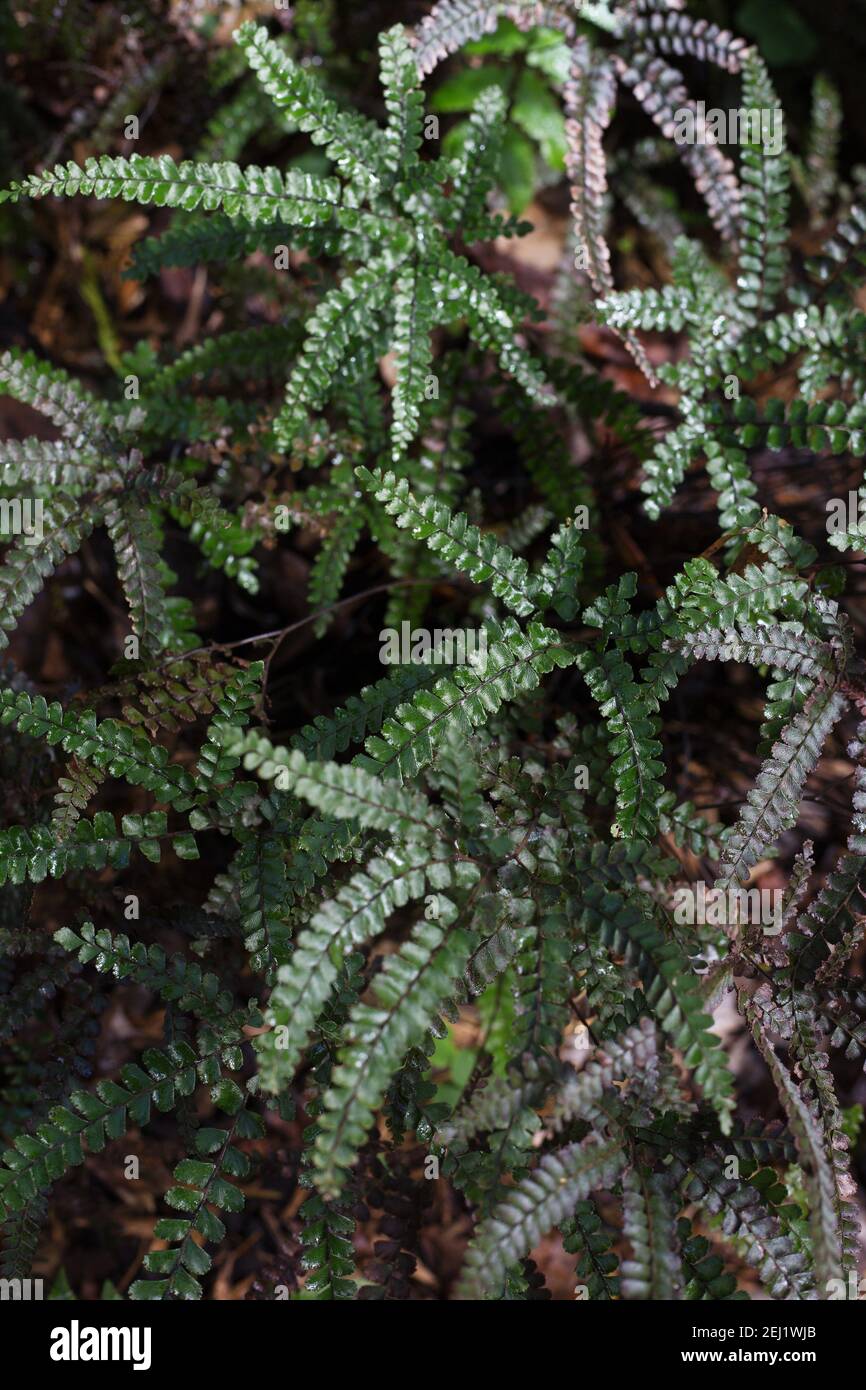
(54, 394)
(782, 1269)
(589, 98)
(136, 546)
(559, 575)
(404, 101)
(56, 464)
(201, 1181)
(89, 1119)
(763, 259)
(671, 31)
(782, 647)
(660, 90)
(533, 1208)
(342, 317)
(329, 1255)
(408, 993)
(357, 913)
(584, 1235)
(452, 23)
(248, 352)
(176, 979)
(496, 1102)
(773, 803)
(473, 169)
(670, 989)
(346, 792)
(633, 1058)
(829, 1234)
(460, 544)
(332, 562)
(109, 745)
(704, 1272)
(817, 176)
(355, 145)
(74, 794)
(654, 1269)
(843, 255)
(362, 714)
(214, 237)
(64, 525)
(492, 323)
(465, 699)
(634, 748)
(414, 318)
(257, 195)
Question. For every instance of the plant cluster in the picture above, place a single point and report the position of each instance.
(505, 836)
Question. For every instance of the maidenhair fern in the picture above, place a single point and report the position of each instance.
(503, 829)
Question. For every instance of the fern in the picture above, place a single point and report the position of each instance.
(407, 943)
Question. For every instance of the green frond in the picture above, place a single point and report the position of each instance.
(48, 540)
(201, 1181)
(765, 175)
(584, 1235)
(329, 1255)
(472, 171)
(356, 914)
(773, 804)
(515, 662)
(363, 713)
(332, 562)
(496, 1102)
(659, 311)
(264, 896)
(670, 989)
(74, 794)
(408, 993)
(109, 745)
(843, 255)
(57, 465)
(257, 195)
(634, 1056)
(38, 851)
(728, 472)
(175, 979)
(703, 1271)
(343, 791)
(404, 100)
(340, 319)
(654, 1269)
(248, 352)
(635, 768)
(90, 1119)
(136, 545)
(414, 317)
(745, 1217)
(460, 893)
(54, 394)
(829, 1234)
(817, 175)
(213, 238)
(460, 544)
(560, 574)
(534, 1207)
(354, 145)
